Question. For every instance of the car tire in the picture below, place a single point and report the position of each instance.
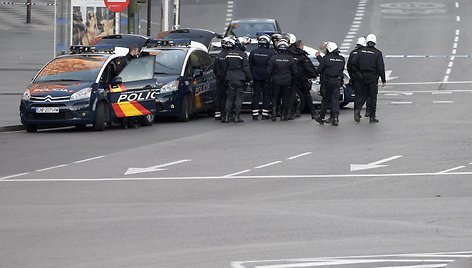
(186, 109)
(99, 124)
(347, 96)
(31, 128)
(147, 120)
(300, 99)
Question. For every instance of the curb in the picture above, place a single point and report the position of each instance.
(12, 128)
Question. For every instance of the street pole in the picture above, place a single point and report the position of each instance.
(28, 11)
(132, 10)
(148, 18)
(176, 14)
(165, 16)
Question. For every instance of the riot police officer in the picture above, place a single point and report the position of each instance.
(306, 70)
(355, 76)
(236, 66)
(371, 66)
(282, 70)
(331, 68)
(220, 79)
(258, 61)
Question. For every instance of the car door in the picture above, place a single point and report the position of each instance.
(206, 87)
(133, 91)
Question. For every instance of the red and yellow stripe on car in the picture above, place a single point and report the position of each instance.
(129, 108)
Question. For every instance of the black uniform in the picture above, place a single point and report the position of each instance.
(305, 71)
(371, 66)
(221, 87)
(258, 61)
(331, 68)
(236, 66)
(282, 71)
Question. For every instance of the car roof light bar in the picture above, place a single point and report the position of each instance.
(170, 43)
(79, 49)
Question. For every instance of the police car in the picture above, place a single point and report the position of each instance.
(91, 85)
(185, 77)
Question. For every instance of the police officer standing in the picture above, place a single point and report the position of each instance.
(258, 61)
(371, 66)
(355, 75)
(306, 70)
(220, 79)
(236, 66)
(282, 70)
(331, 68)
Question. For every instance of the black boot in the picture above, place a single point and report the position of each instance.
(373, 119)
(274, 114)
(329, 120)
(238, 119)
(225, 118)
(357, 115)
(367, 113)
(319, 119)
(335, 120)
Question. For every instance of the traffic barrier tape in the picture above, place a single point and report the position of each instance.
(27, 4)
(428, 56)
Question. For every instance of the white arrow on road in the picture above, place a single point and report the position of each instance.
(376, 164)
(388, 76)
(153, 168)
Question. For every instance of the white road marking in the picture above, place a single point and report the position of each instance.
(13, 176)
(401, 102)
(154, 168)
(458, 18)
(300, 155)
(457, 4)
(449, 170)
(233, 177)
(49, 168)
(443, 102)
(430, 258)
(376, 164)
(269, 164)
(236, 173)
(430, 83)
(89, 159)
(441, 92)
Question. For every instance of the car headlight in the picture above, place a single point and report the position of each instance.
(81, 94)
(26, 95)
(171, 86)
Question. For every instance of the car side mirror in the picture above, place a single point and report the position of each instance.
(197, 73)
(117, 80)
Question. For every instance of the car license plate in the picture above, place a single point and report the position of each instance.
(47, 110)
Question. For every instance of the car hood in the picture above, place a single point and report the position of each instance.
(57, 89)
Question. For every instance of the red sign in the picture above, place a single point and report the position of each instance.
(117, 5)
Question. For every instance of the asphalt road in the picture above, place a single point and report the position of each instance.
(261, 194)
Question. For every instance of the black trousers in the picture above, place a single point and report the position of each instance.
(234, 96)
(305, 88)
(370, 84)
(282, 91)
(330, 98)
(220, 101)
(261, 92)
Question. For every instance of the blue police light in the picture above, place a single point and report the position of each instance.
(170, 43)
(269, 33)
(79, 49)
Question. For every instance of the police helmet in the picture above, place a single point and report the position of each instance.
(230, 44)
(331, 47)
(371, 38)
(292, 38)
(361, 41)
(263, 41)
(276, 37)
(282, 46)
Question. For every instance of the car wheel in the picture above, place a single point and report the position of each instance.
(347, 95)
(147, 120)
(99, 124)
(186, 109)
(300, 101)
(31, 128)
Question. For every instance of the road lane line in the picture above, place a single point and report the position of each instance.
(452, 169)
(89, 159)
(233, 177)
(14, 176)
(269, 164)
(236, 173)
(401, 102)
(49, 168)
(300, 155)
(443, 102)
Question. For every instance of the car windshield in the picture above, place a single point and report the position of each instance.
(72, 68)
(250, 29)
(169, 61)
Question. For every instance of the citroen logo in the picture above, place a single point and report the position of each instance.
(48, 98)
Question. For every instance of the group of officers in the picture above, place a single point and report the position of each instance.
(276, 74)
